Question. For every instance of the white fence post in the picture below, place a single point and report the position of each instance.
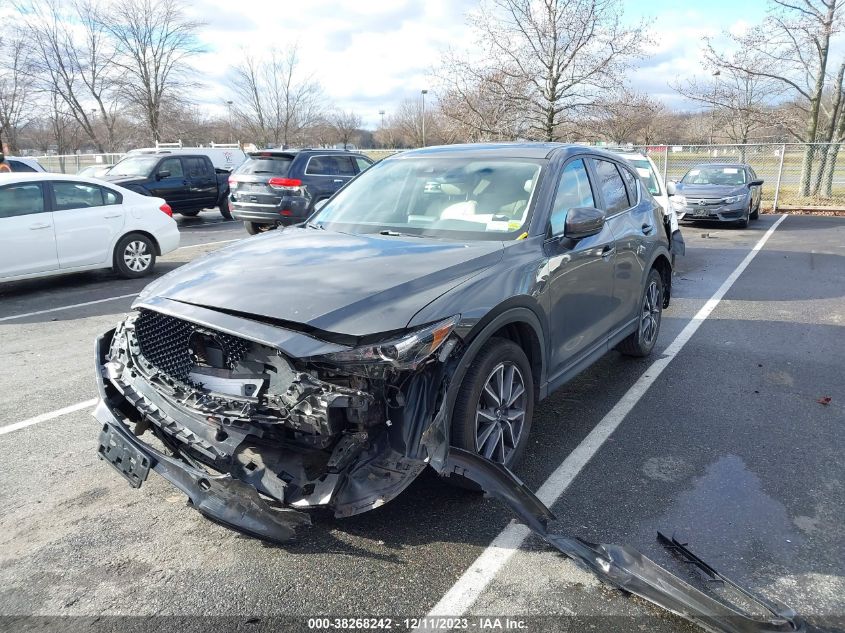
(780, 173)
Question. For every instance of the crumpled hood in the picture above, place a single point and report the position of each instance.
(336, 282)
(710, 191)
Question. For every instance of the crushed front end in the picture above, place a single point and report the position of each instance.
(254, 434)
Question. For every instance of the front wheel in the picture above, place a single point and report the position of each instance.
(641, 342)
(190, 214)
(755, 214)
(254, 228)
(134, 256)
(495, 404)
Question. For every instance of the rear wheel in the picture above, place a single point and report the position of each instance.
(134, 256)
(254, 228)
(225, 207)
(492, 415)
(642, 341)
(190, 214)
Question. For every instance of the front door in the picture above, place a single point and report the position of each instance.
(580, 275)
(174, 186)
(202, 182)
(27, 239)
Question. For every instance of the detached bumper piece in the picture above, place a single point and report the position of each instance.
(626, 568)
(221, 498)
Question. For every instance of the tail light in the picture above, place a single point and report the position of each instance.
(166, 208)
(285, 184)
(233, 183)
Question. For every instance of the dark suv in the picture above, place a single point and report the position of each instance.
(281, 187)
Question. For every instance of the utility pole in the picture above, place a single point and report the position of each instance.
(716, 73)
(231, 132)
(423, 93)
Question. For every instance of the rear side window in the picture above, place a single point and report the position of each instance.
(16, 165)
(76, 195)
(195, 167)
(631, 184)
(111, 197)
(573, 191)
(612, 186)
(330, 166)
(362, 163)
(21, 199)
(270, 165)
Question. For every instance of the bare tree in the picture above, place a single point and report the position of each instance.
(546, 60)
(792, 48)
(344, 125)
(625, 116)
(73, 58)
(154, 42)
(16, 90)
(276, 102)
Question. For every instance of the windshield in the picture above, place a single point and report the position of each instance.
(134, 166)
(460, 198)
(715, 176)
(647, 174)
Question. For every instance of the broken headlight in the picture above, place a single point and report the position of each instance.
(405, 352)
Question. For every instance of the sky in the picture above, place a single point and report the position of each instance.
(369, 55)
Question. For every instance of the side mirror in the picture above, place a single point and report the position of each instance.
(162, 174)
(756, 183)
(671, 189)
(320, 204)
(583, 222)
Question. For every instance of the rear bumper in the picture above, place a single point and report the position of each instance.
(289, 210)
(168, 240)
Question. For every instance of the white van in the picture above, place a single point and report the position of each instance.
(225, 157)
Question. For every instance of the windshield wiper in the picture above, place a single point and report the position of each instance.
(313, 225)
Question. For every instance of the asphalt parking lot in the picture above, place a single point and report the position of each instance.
(731, 447)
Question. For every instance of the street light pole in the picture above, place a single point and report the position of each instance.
(716, 73)
(423, 93)
(231, 131)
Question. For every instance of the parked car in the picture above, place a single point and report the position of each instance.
(54, 224)
(727, 192)
(432, 301)
(188, 182)
(22, 164)
(648, 171)
(223, 158)
(95, 171)
(280, 187)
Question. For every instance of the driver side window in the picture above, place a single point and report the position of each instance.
(173, 165)
(573, 191)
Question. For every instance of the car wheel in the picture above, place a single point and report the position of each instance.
(225, 207)
(495, 404)
(134, 256)
(190, 214)
(254, 228)
(642, 341)
(755, 214)
(743, 223)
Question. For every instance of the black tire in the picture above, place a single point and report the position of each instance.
(190, 214)
(225, 207)
(755, 214)
(134, 256)
(641, 342)
(254, 228)
(743, 223)
(495, 353)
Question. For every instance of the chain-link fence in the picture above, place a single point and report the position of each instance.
(72, 163)
(796, 175)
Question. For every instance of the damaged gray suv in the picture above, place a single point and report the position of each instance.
(416, 319)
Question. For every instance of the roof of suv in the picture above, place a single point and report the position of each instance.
(505, 150)
(303, 150)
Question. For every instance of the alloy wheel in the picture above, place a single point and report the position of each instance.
(136, 256)
(500, 414)
(651, 314)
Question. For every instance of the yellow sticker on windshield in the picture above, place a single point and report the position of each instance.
(513, 225)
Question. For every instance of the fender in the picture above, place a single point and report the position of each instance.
(483, 331)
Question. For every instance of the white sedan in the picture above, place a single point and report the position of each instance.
(52, 224)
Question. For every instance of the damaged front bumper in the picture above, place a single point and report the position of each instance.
(286, 442)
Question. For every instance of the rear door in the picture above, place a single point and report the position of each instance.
(202, 181)
(88, 220)
(326, 173)
(174, 186)
(27, 237)
(361, 163)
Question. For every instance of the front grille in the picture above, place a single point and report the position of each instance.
(165, 342)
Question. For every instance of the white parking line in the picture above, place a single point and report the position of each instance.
(44, 417)
(469, 586)
(96, 301)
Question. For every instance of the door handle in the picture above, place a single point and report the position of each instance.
(112, 215)
(647, 228)
(185, 182)
(338, 180)
(608, 251)
(35, 227)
